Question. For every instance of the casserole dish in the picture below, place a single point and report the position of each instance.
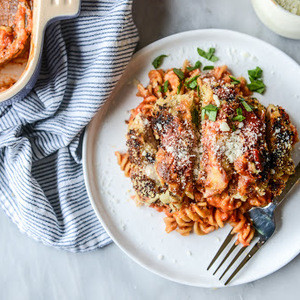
(44, 12)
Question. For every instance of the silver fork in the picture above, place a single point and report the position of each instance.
(264, 223)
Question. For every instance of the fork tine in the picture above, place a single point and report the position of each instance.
(244, 261)
(233, 261)
(224, 259)
(223, 246)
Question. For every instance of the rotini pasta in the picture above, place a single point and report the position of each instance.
(202, 150)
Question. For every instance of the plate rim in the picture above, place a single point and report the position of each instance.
(98, 115)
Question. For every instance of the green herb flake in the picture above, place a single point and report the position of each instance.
(196, 66)
(192, 79)
(210, 107)
(179, 73)
(211, 111)
(195, 116)
(239, 111)
(239, 118)
(160, 89)
(208, 68)
(157, 62)
(255, 73)
(166, 86)
(198, 91)
(245, 104)
(212, 115)
(234, 80)
(257, 86)
(208, 55)
(179, 88)
(193, 84)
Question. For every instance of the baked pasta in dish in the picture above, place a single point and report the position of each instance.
(202, 150)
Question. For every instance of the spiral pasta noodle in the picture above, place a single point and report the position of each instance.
(199, 150)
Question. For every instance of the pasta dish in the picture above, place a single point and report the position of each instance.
(204, 151)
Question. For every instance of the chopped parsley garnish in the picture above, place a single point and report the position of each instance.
(208, 55)
(256, 84)
(166, 85)
(234, 80)
(239, 116)
(239, 111)
(245, 104)
(157, 62)
(192, 82)
(179, 73)
(196, 66)
(195, 117)
(208, 68)
(179, 88)
(255, 73)
(160, 89)
(192, 79)
(211, 111)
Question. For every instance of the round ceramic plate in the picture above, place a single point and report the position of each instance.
(139, 231)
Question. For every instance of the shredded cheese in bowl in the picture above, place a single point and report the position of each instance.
(292, 6)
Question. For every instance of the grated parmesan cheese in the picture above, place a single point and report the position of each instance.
(292, 6)
(234, 146)
(224, 126)
(217, 100)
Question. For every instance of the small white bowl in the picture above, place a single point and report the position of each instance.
(277, 18)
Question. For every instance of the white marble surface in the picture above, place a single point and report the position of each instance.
(30, 270)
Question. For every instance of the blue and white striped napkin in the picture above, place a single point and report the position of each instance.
(42, 186)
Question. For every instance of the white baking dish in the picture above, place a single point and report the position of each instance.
(44, 12)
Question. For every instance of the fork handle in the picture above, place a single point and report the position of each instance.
(289, 186)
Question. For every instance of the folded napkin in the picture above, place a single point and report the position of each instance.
(42, 185)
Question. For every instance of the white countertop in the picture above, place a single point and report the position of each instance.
(30, 270)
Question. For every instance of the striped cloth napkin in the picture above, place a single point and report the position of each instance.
(42, 185)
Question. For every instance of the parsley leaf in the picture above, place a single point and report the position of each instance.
(196, 66)
(208, 68)
(257, 86)
(212, 115)
(210, 107)
(234, 80)
(211, 111)
(208, 55)
(245, 104)
(179, 73)
(239, 111)
(192, 82)
(239, 118)
(179, 88)
(166, 85)
(160, 89)
(255, 73)
(157, 62)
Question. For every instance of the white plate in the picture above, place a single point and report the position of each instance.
(139, 231)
